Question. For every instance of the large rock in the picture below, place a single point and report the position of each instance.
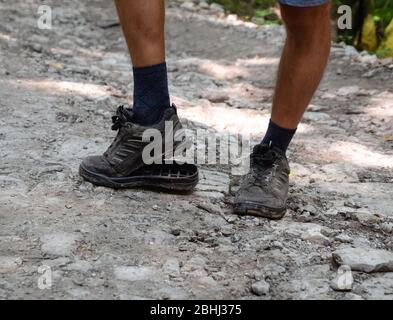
(58, 244)
(217, 7)
(310, 232)
(348, 91)
(378, 287)
(188, 5)
(365, 260)
(315, 236)
(9, 264)
(366, 217)
(134, 273)
(212, 184)
(260, 288)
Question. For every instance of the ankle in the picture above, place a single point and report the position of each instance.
(151, 94)
(278, 137)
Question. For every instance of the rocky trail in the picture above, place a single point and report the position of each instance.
(58, 90)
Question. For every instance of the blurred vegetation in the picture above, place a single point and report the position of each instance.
(257, 11)
(372, 21)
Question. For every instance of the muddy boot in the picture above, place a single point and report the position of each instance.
(264, 191)
(122, 166)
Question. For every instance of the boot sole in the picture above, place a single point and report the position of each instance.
(171, 177)
(258, 210)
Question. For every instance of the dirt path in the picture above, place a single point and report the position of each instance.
(58, 89)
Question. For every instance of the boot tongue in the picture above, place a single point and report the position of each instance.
(264, 154)
(129, 114)
(122, 116)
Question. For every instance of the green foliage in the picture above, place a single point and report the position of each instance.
(260, 12)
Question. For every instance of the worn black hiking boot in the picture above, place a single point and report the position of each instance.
(264, 191)
(122, 166)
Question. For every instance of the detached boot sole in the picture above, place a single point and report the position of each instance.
(171, 177)
(258, 210)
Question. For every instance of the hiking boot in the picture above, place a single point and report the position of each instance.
(124, 155)
(264, 191)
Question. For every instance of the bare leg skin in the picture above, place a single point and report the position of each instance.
(143, 24)
(303, 62)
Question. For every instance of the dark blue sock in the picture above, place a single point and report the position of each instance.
(151, 94)
(278, 137)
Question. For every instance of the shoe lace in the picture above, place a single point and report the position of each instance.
(121, 117)
(264, 166)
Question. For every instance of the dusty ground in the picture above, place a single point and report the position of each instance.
(58, 89)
